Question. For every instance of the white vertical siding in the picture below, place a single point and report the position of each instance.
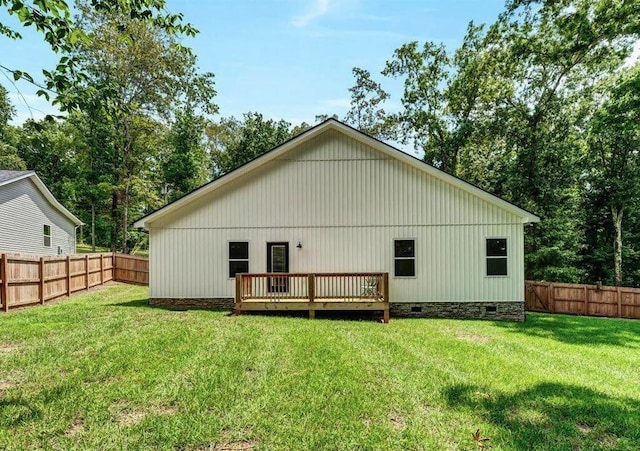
(346, 203)
(23, 213)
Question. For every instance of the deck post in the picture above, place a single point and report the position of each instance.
(385, 294)
(311, 292)
(238, 304)
(4, 288)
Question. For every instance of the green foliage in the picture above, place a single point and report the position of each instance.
(9, 158)
(366, 114)
(614, 143)
(134, 75)
(234, 142)
(186, 166)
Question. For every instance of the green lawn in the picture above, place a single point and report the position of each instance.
(106, 371)
(87, 249)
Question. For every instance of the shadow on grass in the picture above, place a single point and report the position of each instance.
(553, 416)
(331, 315)
(581, 330)
(144, 303)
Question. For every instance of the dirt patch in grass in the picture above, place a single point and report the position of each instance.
(397, 422)
(609, 442)
(128, 416)
(6, 348)
(5, 385)
(233, 441)
(76, 428)
(234, 446)
(473, 338)
(584, 428)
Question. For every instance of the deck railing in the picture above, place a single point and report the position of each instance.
(327, 291)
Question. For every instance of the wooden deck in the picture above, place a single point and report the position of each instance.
(312, 292)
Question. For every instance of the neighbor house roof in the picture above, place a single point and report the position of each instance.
(7, 177)
(333, 124)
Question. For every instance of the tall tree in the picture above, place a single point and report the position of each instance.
(614, 144)
(132, 70)
(366, 112)
(505, 110)
(9, 158)
(551, 54)
(187, 165)
(234, 142)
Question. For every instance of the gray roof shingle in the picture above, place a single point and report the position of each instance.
(6, 175)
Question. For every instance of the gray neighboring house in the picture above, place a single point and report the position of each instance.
(32, 221)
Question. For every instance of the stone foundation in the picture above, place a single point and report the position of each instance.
(199, 303)
(508, 311)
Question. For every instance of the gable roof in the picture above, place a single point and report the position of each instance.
(7, 177)
(333, 124)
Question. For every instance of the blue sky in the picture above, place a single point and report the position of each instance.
(288, 59)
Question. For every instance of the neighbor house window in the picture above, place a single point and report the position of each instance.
(404, 258)
(47, 236)
(238, 257)
(496, 256)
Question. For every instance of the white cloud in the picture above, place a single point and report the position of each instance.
(342, 103)
(318, 9)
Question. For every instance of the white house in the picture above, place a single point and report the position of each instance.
(334, 200)
(31, 219)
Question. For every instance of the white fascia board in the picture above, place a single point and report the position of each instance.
(52, 200)
(23, 176)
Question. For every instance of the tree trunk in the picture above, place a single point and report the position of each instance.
(125, 218)
(617, 244)
(114, 220)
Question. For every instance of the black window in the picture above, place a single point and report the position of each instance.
(404, 258)
(496, 256)
(47, 235)
(238, 257)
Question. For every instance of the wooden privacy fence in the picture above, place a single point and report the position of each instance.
(131, 269)
(591, 300)
(26, 280)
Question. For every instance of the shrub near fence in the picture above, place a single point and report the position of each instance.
(589, 300)
(28, 280)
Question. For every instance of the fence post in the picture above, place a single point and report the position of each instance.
(619, 302)
(68, 269)
(311, 292)
(4, 275)
(41, 271)
(86, 272)
(551, 297)
(113, 267)
(585, 292)
(101, 269)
